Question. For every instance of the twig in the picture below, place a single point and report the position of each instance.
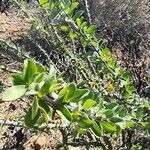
(18, 123)
(77, 144)
(88, 11)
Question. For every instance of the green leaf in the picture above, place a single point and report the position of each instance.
(34, 109)
(70, 10)
(88, 95)
(109, 113)
(84, 121)
(81, 131)
(88, 103)
(78, 14)
(96, 129)
(40, 68)
(68, 92)
(146, 124)
(73, 35)
(45, 87)
(39, 77)
(54, 14)
(29, 70)
(105, 53)
(64, 28)
(84, 24)
(31, 92)
(116, 119)
(130, 124)
(130, 88)
(139, 113)
(78, 95)
(49, 80)
(14, 93)
(111, 105)
(17, 79)
(29, 121)
(91, 30)
(41, 122)
(112, 63)
(75, 115)
(126, 76)
(108, 127)
(44, 3)
(55, 87)
(122, 112)
(74, 5)
(64, 110)
(118, 131)
(43, 106)
(78, 20)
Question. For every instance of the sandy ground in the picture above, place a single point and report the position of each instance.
(12, 26)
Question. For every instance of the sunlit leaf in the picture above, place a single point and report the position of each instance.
(84, 24)
(105, 53)
(108, 127)
(78, 20)
(68, 92)
(146, 124)
(88, 103)
(125, 76)
(44, 3)
(70, 10)
(29, 70)
(73, 35)
(130, 124)
(112, 63)
(14, 93)
(64, 28)
(91, 30)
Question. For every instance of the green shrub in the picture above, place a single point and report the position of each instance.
(101, 100)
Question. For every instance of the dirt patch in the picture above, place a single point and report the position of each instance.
(12, 26)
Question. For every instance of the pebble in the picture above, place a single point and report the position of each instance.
(40, 142)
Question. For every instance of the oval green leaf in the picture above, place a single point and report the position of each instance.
(108, 127)
(88, 103)
(14, 93)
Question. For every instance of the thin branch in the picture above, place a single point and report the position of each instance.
(88, 11)
(78, 144)
(19, 123)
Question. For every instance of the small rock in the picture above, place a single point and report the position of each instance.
(40, 142)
